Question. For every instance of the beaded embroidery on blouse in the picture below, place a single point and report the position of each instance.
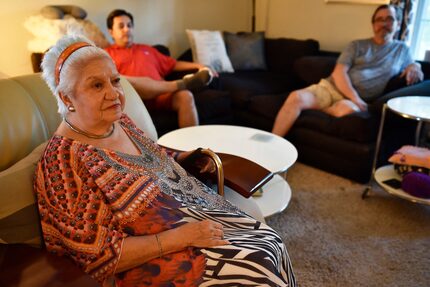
(171, 178)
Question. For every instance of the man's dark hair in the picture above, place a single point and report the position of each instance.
(386, 6)
(117, 13)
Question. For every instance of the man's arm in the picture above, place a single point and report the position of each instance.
(148, 88)
(184, 66)
(343, 84)
(413, 73)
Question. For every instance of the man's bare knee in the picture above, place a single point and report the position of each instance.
(293, 100)
(301, 99)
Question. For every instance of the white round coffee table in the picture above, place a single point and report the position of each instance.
(270, 151)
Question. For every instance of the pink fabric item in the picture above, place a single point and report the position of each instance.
(411, 155)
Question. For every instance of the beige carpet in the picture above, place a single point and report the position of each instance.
(335, 238)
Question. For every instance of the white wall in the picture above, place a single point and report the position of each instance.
(332, 24)
(156, 21)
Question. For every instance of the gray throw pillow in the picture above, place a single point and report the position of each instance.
(246, 50)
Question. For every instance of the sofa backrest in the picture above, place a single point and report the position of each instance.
(28, 115)
(311, 69)
(281, 53)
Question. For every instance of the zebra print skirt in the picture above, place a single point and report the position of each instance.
(255, 257)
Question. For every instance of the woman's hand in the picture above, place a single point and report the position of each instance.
(140, 249)
(206, 233)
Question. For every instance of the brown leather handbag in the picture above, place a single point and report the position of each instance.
(240, 174)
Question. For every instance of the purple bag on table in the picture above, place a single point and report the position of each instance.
(417, 184)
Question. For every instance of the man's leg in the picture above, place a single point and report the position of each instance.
(183, 103)
(296, 102)
(148, 88)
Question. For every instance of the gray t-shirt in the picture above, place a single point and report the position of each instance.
(372, 65)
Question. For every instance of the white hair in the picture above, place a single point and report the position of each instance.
(71, 65)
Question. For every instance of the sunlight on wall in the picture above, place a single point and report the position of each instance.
(332, 24)
(156, 21)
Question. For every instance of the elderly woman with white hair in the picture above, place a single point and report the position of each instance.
(122, 208)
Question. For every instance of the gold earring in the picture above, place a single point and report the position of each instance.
(71, 109)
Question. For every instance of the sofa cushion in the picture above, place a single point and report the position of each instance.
(244, 84)
(361, 126)
(208, 48)
(213, 106)
(283, 52)
(19, 219)
(246, 50)
(311, 69)
(420, 89)
(267, 105)
(342, 157)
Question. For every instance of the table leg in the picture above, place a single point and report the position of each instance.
(418, 133)
(375, 158)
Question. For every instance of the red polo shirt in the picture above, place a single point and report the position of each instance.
(141, 61)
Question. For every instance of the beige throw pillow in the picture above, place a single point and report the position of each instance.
(208, 48)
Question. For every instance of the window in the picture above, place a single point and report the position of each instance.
(420, 41)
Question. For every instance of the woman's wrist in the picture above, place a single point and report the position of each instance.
(178, 233)
(169, 246)
(160, 247)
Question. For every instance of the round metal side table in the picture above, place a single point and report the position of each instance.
(410, 107)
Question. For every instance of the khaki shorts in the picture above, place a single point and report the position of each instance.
(325, 93)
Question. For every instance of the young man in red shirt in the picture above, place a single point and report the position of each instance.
(145, 68)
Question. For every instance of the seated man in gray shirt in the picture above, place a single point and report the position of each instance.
(361, 73)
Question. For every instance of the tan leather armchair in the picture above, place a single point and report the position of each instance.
(28, 118)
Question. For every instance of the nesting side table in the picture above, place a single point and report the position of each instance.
(270, 151)
(410, 107)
